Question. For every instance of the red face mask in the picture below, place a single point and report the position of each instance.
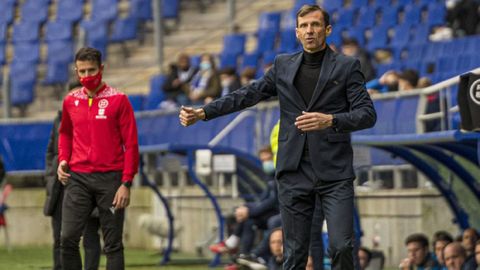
(92, 82)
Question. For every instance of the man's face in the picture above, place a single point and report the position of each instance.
(439, 246)
(468, 240)
(184, 63)
(363, 259)
(477, 254)
(416, 252)
(276, 243)
(86, 68)
(312, 31)
(453, 258)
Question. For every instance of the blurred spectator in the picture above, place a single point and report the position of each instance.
(455, 256)
(177, 84)
(440, 240)
(364, 257)
(470, 237)
(441, 33)
(276, 248)
(351, 48)
(247, 76)
(424, 82)
(477, 254)
(388, 82)
(407, 80)
(418, 255)
(229, 81)
(252, 216)
(462, 16)
(205, 85)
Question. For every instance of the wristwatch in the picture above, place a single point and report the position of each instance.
(334, 121)
(127, 184)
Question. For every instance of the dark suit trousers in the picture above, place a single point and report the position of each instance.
(300, 192)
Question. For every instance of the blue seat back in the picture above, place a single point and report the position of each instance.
(58, 30)
(234, 44)
(70, 10)
(124, 29)
(156, 95)
(26, 32)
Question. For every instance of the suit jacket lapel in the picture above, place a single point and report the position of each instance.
(292, 69)
(325, 71)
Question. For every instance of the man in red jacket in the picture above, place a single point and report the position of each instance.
(98, 158)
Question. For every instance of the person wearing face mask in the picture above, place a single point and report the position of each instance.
(205, 85)
(253, 215)
(180, 75)
(229, 81)
(98, 158)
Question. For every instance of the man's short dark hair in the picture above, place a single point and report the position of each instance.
(442, 236)
(306, 9)
(419, 238)
(228, 71)
(89, 54)
(410, 75)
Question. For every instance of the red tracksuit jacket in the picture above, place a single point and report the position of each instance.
(100, 137)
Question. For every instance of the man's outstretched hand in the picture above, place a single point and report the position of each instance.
(189, 116)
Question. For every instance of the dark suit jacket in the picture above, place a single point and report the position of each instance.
(340, 91)
(54, 187)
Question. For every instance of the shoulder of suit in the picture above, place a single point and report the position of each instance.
(287, 56)
(344, 58)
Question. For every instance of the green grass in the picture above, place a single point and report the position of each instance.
(30, 258)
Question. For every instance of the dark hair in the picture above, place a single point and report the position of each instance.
(306, 9)
(442, 236)
(265, 149)
(417, 237)
(410, 75)
(367, 251)
(228, 71)
(89, 54)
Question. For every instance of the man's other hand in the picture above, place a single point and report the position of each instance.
(310, 121)
(189, 116)
(62, 172)
(122, 197)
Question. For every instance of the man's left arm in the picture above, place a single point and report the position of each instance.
(128, 133)
(362, 113)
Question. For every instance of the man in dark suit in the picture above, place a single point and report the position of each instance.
(322, 99)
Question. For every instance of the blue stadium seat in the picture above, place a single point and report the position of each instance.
(357, 4)
(124, 29)
(381, 3)
(344, 18)
(446, 64)
(420, 34)
(389, 16)
(412, 15)
(3, 33)
(137, 102)
(269, 22)
(195, 60)
(366, 17)
(288, 41)
(25, 32)
(22, 79)
(358, 33)
(171, 9)
(57, 73)
(386, 110)
(403, 3)
(249, 60)
(405, 116)
(378, 39)
(436, 14)
(104, 10)
(156, 95)
(96, 35)
(467, 62)
(228, 60)
(35, 11)
(332, 5)
(299, 3)
(70, 10)
(58, 30)
(26, 52)
(7, 8)
(2, 54)
(289, 20)
(141, 9)
(433, 51)
(401, 36)
(335, 37)
(265, 41)
(60, 51)
(234, 44)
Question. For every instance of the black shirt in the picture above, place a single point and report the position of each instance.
(307, 76)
